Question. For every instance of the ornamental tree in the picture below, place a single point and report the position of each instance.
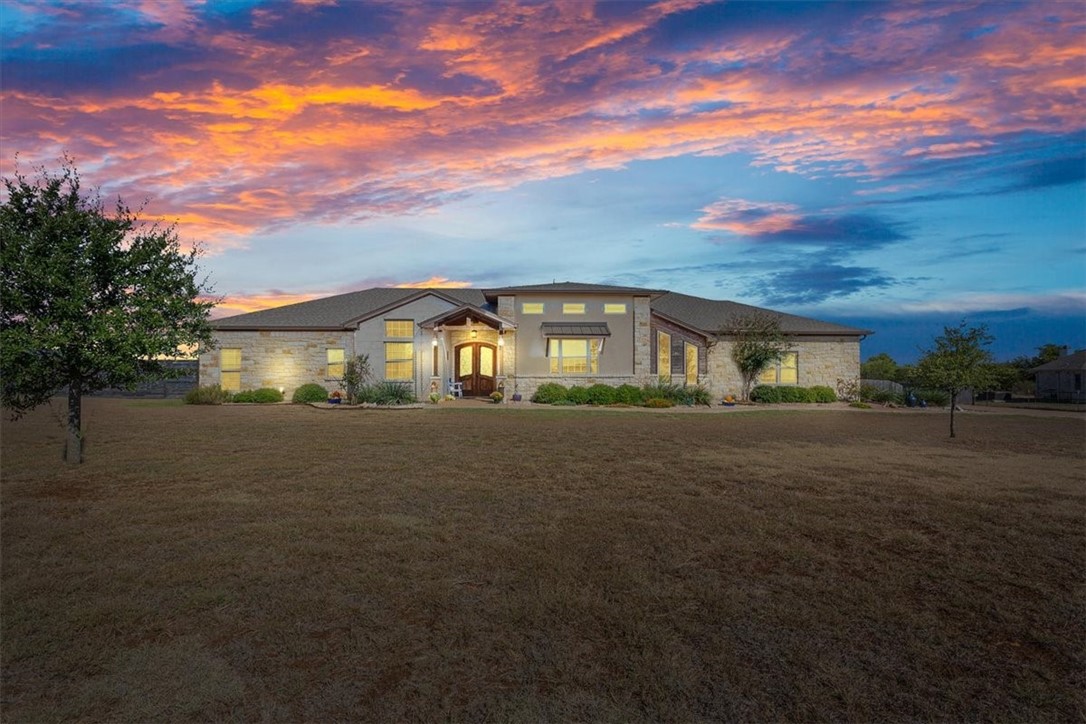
(758, 343)
(88, 299)
(959, 360)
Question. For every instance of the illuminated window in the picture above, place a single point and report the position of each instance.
(691, 356)
(614, 308)
(399, 360)
(335, 362)
(570, 308)
(784, 371)
(574, 356)
(531, 308)
(399, 328)
(663, 356)
(230, 369)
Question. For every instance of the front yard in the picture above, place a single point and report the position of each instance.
(288, 563)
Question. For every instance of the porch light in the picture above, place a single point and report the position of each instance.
(474, 333)
(433, 341)
(501, 340)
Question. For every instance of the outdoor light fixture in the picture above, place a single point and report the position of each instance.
(474, 333)
(501, 340)
(434, 341)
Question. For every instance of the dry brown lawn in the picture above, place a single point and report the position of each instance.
(287, 563)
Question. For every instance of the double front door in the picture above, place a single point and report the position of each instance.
(476, 367)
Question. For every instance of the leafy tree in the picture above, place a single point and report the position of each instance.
(959, 360)
(758, 343)
(879, 367)
(356, 372)
(88, 299)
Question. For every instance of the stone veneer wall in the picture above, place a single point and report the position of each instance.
(822, 361)
(642, 340)
(277, 359)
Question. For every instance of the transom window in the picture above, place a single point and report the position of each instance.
(785, 371)
(573, 308)
(399, 328)
(230, 369)
(531, 308)
(399, 360)
(614, 308)
(574, 356)
(663, 356)
(335, 359)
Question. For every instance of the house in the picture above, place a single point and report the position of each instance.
(1061, 379)
(514, 339)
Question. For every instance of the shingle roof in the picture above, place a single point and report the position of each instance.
(339, 311)
(712, 316)
(573, 287)
(1075, 362)
(343, 311)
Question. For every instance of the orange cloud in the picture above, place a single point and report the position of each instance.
(432, 282)
(748, 218)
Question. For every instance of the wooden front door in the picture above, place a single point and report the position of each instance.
(476, 367)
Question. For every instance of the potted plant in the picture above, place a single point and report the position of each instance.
(516, 394)
(435, 397)
(729, 401)
(335, 398)
(496, 397)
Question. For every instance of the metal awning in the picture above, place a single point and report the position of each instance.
(576, 329)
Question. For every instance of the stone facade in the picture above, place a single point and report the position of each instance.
(278, 359)
(821, 360)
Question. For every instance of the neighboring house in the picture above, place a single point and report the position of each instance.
(1061, 379)
(514, 339)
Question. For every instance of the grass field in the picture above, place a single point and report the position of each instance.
(287, 563)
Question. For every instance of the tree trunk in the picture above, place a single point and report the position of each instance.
(73, 448)
(953, 404)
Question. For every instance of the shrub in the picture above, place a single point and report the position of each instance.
(602, 395)
(659, 402)
(206, 395)
(262, 395)
(389, 393)
(860, 405)
(310, 392)
(875, 394)
(696, 395)
(935, 398)
(435, 397)
(663, 391)
(549, 393)
(577, 395)
(822, 394)
(497, 396)
(772, 394)
(628, 395)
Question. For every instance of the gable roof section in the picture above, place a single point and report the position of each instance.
(713, 316)
(341, 311)
(1068, 363)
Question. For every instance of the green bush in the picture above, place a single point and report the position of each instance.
(695, 395)
(549, 393)
(628, 395)
(860, 405)
(387, 393)
(662, 391)
(310, 392)
(875, 394)
(659, 402)
(577, 395)
(600, 394)
(822, 394)
(934, 398)
(206, 395)
(774, 395)
(262, 395)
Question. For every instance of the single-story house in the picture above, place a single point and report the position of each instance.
(1061, 379)
(514, 339)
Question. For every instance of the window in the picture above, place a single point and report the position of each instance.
(614, 308)
(663, 356)
(574, 356)
(690, 353)
(335, 363)
(230, 369)
(399, 328)
(570, 308)
(436, 357)
(784, 371)
(531, 308)
(399, 360)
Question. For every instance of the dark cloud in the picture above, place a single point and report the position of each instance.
(857, 231)
(818, 282)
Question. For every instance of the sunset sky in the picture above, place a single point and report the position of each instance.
(893, 166)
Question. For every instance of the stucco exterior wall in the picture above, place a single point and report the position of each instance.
(617, 358)
(370, 339)
(277, 359)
